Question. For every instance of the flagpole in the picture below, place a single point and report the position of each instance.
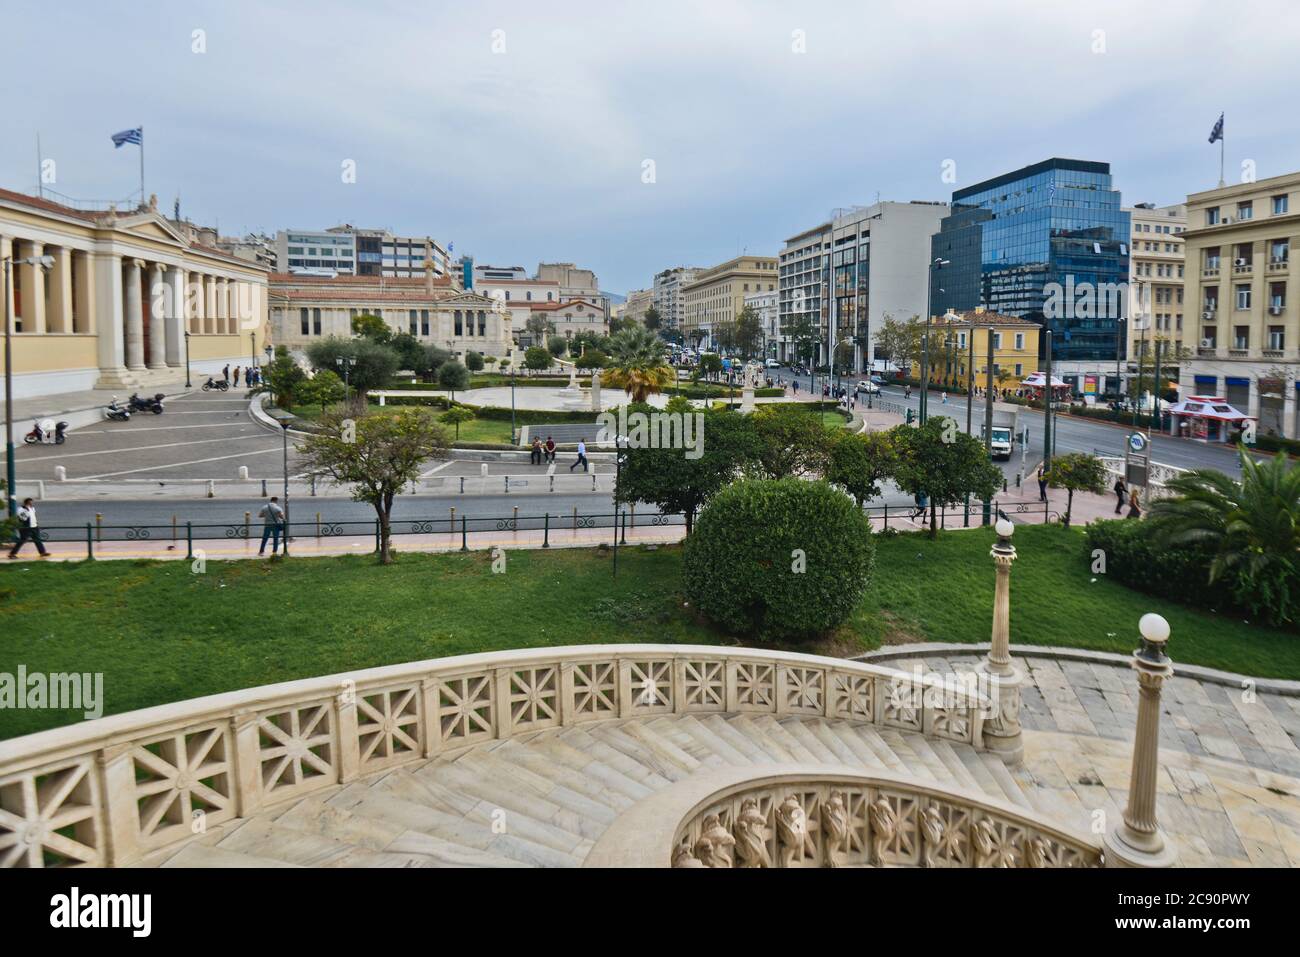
(1222, 142)
(40, 186)
(142, 196)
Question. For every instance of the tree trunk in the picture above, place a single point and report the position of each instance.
(690, 520)
(1069, 505)
(934, 519)
(385, 532)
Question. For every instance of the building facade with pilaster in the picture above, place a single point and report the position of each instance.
(126, 291)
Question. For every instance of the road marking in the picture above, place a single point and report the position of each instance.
(438, 468)
(174, 465)
(143, 448)
(160, 428)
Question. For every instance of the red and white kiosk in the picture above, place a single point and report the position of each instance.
(1209, 418)
(1036, 383)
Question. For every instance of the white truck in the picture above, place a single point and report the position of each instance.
(1005, 432)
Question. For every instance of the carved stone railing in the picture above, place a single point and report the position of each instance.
(830, 817)
(107, 792)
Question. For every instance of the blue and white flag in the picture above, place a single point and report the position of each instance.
(135, 136)
(1216, 134)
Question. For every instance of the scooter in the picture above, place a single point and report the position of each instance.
(38, 435)
(221, 385)
(116, 412)
(154, 405)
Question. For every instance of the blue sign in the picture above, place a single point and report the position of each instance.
(1137, 441)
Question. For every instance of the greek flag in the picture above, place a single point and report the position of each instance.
(1216, 134)
(135, 136)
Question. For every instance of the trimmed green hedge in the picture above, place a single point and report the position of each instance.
(1179, 574)
(800, 576)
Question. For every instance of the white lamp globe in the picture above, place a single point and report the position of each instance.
(1004, 528)
(1154, 628)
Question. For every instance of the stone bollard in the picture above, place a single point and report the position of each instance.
(243, 473)
(1002, 729)
(60, 473)
(1137, 840)
(212, 489)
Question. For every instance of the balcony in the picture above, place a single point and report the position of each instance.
(1273, 353)
(1207, 352)
(1238, 352)
(1278, 265)
(1243, 269)
(1210, 272)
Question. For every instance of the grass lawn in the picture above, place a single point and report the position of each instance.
(160, 633)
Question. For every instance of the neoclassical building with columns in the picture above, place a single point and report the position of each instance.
(124, 290)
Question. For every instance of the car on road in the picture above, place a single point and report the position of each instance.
(773, 364)
(867, 387)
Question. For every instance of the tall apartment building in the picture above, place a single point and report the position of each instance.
(668, 296)
(717, 295)
(1156, 274)
(848, 274)
(1047, 242)
(1241, 283)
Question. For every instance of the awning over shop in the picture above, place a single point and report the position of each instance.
(1208, 407)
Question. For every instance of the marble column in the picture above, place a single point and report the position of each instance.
(1004, 677)
(196, 295)
(175, 319)
(156, 303)
(32, 282)
(111, 344)
(83, 306)
(134, 317)
(209, 305)
(59, 317)
(1137, 840)
(223, 305)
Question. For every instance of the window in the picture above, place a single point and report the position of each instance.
(1276, 338)
(1280, 205)
(1212, 216)
(1243, 295)
(1279, 250)
(424, 322)
(459, 324)
(1019, 368)
(1212, 257)
(1020, 345)
(482, 323)
(1211, 298)
(1241, 337)
(305, 320)
(1277, 296)
(315, 321)
(412, 319)
(1245, 210)
(997, 340)
(1210, 332)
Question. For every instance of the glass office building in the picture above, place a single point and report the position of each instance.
(1048, 243)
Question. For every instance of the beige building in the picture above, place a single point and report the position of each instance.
(717, 295)
(125, 293)
(305, 309)
(1244, 321)
(1156, 275)
(573, 316)
(637, 305)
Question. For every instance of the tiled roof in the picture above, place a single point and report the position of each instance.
(292, 279)
(986, 318)
(35, 202)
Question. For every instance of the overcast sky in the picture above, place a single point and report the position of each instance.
(538, 152)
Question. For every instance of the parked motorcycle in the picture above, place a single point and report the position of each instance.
(221, 385)
(38, 435)
(116, 412)
(154, 405)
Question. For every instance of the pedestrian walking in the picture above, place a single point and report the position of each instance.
(550, 449)
(1042, 484)
(1121, 493)
(28, 530)
(1134, 507)
(535, 456)
(236, 377)
(272, 516)
(225, 372)
(582, 456)
(943, 399)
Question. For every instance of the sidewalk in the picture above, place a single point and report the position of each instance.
(84, 408)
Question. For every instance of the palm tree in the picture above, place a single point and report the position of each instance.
(638, 363)
(1253, 526)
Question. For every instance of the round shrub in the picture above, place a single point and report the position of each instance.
(783, 559)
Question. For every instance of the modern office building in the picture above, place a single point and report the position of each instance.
(1156, 295)
(128, 300)
(1048, 243)
(717, 295)
(875, 256)
(348, 251)
(319, 252)
(668, 296)
(1241, 292)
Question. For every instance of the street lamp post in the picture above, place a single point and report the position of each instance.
(11, 477)
(346, 363)
(288, 522)
(188, 384)
(252, 350)
(939, 262)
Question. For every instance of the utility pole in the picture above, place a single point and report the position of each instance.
(1047, 405)
(988, 412)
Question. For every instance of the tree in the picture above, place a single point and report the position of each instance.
(792, 441)
(899, 340)
(375, 363)
(638, 364)
(804, 335)
(653, 320)
(859, 462)
(537, 358)
(782, 560)
(410, 352)
(453, 376)
(591, 359)
(539, 326)
(323, 389)
(1253, 525)
(473, 361)
(749, 333)
(456, 415)
(557, 345)
(282, 377)
(377, 454)
(942, 463)
(434, 357)
(372, 327)
(667, 478)
(1076, 472)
